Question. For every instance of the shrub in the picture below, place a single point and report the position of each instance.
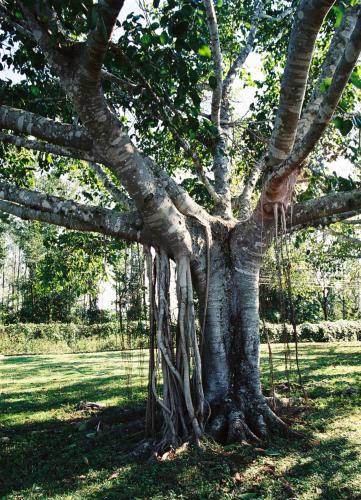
(29, 338)
(63, 337)
(326, 331)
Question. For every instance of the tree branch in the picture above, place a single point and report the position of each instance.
(4, 14)
(328, 209)
(308, 21)
(243, 203)
(346, 237)
(168, 120)
(44, 147)
(244, 53)
(98, 40)
(217, 62)
(25, 122)
(356, 222)
(280, 183)
(32, 205)
(112, 145)
(328, 106)
(40, 33)
(336, 50)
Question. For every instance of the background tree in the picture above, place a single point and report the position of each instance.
(86, 77)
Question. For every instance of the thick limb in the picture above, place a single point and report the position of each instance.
(32, 205)
(325, 210)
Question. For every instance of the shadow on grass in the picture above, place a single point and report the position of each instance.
(52, 452)
(52, 457)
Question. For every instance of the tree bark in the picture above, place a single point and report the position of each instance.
(236, 408)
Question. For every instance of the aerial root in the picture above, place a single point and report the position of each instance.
(182, 399)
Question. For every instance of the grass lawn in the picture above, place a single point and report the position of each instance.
(46, 452)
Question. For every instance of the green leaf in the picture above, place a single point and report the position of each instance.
(219, 3)
(145, 39)
(324, 86)
(248, 495)
(338, 11)
(344, 126)
(356, 77)
(212, 82)
(163, 38)
(205, 51)
(272, 453)
(35, 90)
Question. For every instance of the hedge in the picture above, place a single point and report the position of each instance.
(70, 337)
(60, 337)
(326, 331)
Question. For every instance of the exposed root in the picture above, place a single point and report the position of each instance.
(238, 429)
(252, 424)
(288, 406)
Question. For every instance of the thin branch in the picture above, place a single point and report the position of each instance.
(244, 53)
(217, 62)
(117, 193)
(168, 120)
(121, 82)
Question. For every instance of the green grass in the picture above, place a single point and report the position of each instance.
(47, 454)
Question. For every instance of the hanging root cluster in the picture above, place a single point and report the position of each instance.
(174, 362)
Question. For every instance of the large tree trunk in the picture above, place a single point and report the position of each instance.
(236, 408)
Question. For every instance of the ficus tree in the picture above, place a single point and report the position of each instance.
(139, 101)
